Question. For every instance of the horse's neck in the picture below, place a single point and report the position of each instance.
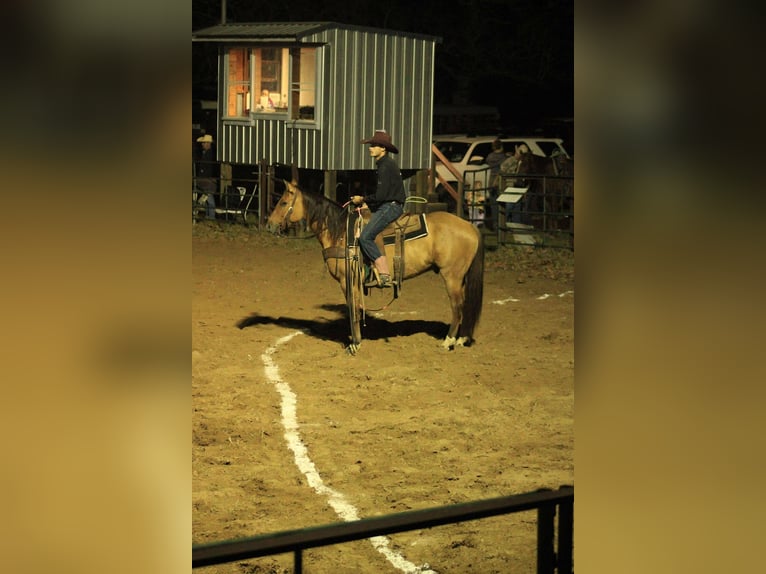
(326, 241)
(321, 216)
(324, 236)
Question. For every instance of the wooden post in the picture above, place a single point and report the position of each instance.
(421, 183)
(421, 190)
(225, 177)
(263, 194)
(330, 181)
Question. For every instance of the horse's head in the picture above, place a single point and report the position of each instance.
(289, 209)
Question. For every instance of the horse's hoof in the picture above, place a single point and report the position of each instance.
(461, 341)
(353, 348)
(448, 343)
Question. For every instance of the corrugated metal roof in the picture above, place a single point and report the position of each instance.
(284, 31)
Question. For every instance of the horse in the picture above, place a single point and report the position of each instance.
(453, 248)
(551, 188)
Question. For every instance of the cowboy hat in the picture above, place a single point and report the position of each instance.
(206, 138)
(381, 139)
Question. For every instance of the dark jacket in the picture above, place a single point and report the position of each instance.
(390, 185)
(205, 163)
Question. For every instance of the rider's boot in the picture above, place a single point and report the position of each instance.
(384, 277)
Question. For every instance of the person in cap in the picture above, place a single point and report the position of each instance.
(386, 204)
(205, 172)
(510, 167)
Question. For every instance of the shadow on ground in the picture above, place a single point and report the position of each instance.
(338, 330)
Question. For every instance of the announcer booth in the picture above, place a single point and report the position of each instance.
(305, 94)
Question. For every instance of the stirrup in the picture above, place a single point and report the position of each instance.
(371, 276)
(384, 281)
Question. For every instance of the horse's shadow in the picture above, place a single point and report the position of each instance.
(337, 330)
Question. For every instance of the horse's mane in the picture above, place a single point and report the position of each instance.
(325, 212)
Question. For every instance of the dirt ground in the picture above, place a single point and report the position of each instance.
(402, 425)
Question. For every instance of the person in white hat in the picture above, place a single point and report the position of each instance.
(205, 171)
(386, 204)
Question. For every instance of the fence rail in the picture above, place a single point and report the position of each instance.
(543, 217)
(554, 549)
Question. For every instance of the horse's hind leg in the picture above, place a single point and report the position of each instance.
(456, 295)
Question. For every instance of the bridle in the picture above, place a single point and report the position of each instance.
(285, 219)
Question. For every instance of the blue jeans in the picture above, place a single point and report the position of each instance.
(384, 215)
(208, 187)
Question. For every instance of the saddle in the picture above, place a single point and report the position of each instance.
(406, 227)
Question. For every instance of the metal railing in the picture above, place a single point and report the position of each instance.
(248, 199)
(554, 541)
(543, 217)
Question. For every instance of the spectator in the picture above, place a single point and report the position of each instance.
(510, 167)
(206, 173)
(265, 103)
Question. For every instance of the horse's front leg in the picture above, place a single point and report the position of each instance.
(355, 310)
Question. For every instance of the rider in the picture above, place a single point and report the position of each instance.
(386, 204)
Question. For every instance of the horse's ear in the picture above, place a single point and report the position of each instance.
(295, 175)
(287, 185)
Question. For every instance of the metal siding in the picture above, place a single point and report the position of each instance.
(337, 124)
(367, 123)
(368, 81)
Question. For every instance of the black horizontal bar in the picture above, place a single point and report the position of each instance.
(291, 540)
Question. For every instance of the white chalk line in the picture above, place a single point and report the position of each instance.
(344, 509)
(388, 313)
(496, 302)
(540, 298)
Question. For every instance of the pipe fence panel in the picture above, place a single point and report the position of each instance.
(554, 552)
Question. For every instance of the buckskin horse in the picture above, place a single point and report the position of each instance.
(452, 247)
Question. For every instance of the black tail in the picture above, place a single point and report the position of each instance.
(474, 294)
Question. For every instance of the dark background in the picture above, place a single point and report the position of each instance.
(516, 55)
(670, 315)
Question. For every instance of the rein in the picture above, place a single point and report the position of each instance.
(339, 252)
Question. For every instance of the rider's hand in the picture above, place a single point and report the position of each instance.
(356, 199)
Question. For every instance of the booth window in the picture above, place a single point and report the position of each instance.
(271, 80)
(238, 82)
(303, 84)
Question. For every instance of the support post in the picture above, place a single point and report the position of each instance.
(546, 559)
(263, 193)
(330, 181)
(565, 538)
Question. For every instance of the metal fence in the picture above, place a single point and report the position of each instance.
(555, 534)
(538, 215)
(232, 197)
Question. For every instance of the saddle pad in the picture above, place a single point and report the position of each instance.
(412, 228)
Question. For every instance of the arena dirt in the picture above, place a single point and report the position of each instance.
(402, 425)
